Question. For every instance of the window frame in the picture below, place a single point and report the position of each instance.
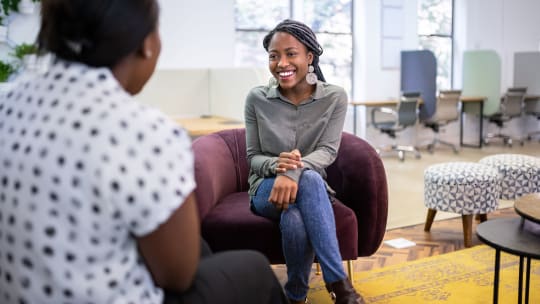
(449, 36)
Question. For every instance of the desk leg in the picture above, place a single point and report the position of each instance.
(520, 280)
(496, 279)
(481, 124)
(461, 125)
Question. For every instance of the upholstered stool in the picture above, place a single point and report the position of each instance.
(520, 173)
(465, 188)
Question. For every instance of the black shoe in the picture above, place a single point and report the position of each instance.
(344, 293)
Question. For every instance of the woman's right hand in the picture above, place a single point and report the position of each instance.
(289, 161)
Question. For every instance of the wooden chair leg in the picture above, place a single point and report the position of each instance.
(317, 269)
(350, 270)
(467, 229)
(429, 220)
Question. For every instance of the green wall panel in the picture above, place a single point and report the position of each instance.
(482, 77)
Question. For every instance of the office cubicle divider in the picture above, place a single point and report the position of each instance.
(482, 77)
(419, 74)
(527, 71)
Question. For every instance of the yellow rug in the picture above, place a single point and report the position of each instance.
(464, 276)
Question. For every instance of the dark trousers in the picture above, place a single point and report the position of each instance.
(240, 276)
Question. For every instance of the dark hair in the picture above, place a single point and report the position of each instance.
(95, 32)
(305, 35)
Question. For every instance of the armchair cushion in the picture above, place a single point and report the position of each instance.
(221, 171)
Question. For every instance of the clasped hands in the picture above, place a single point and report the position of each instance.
(284, 190)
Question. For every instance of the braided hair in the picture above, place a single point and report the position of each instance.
(302, 33)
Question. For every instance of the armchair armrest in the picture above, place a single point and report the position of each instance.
(359, 179)
(214, 171)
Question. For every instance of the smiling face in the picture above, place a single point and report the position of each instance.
(288, 61)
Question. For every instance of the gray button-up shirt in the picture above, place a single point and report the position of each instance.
(274, 125)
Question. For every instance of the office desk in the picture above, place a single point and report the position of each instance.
(203, 125)
(466, 100)
(373, 103)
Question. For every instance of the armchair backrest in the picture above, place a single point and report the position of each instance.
(512, 103)
(447, 106)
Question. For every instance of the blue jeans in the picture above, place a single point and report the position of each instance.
(307, 229)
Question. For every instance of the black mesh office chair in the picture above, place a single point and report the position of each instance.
(532, 107)
(446, 111)
(405, 115)
(511, 107)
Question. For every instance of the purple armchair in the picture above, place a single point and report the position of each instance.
(221, 172)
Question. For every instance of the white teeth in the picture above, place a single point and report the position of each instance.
(286, 74)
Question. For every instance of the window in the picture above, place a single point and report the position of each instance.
(331, 20)
(435, 18)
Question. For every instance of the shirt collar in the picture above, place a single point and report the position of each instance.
(273, 91)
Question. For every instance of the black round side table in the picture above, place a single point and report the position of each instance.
(515, 236)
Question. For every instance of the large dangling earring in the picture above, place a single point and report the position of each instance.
(311, 77)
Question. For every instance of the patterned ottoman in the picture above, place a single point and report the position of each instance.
(520, 173)
(464, 188)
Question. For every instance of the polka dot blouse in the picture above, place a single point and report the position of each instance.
(83, 169)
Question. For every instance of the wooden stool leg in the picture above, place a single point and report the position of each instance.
(429, 220)
(482, 217)
(467, 229)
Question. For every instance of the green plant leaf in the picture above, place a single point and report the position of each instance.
(6, 69)
(24, 49)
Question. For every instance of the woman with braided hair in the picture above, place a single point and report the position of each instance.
(102, 207)
(293, 132)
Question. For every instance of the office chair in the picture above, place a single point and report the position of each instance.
(405, 115)
(532, 107)
(446, 111)
(511, 106)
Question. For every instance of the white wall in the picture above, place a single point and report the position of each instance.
(506, 26)
(197, 34)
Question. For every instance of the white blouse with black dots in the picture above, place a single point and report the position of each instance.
(83, 169)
